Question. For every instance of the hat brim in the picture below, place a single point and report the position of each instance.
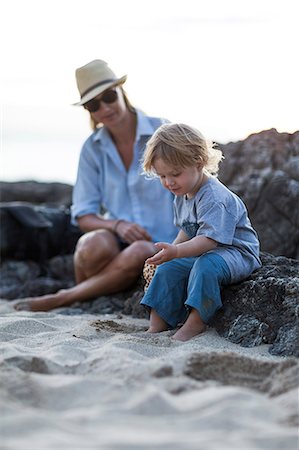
(98, 90)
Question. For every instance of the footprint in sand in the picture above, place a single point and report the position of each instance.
(115, 327)
(231, 369)
(36, 365)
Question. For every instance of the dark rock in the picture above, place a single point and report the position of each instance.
(44, 286)
(287, 341)
(51, 194)
(264, 308)
(132, 306)
(249, 331)
(35, 232)
(264, 171)
(15, 276)
(20, 279)
(62, 268)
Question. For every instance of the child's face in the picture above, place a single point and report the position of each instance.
(180, 181)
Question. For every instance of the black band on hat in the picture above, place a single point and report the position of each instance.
(97, 85)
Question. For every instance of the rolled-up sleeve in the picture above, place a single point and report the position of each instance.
(87, 195)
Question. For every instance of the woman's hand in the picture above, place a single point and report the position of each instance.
(130, 232)
(166, 252)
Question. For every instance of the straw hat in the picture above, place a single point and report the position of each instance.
(94, 78)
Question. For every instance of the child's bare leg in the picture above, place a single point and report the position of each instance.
(192, 327)
(157, 324)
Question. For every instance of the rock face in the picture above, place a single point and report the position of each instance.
(36, 232)
(20, 279)
(264, 171)
(50, 194)
(264, 308)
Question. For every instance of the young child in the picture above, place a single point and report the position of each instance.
(216, 244)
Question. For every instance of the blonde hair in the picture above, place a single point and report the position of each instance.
(180, 145)
(95, 125)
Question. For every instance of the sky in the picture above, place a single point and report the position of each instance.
(228, 67)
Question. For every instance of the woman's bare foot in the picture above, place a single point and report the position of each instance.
(42, 303)
(157, 324)
(191, 328)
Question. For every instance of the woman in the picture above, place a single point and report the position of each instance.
(109, 257)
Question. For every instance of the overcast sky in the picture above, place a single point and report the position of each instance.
(230, 68)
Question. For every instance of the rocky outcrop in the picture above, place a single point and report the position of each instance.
(261, 310)
(264, 171)
(36, 232)
(20, 279)
(50, 194)
(264, 308)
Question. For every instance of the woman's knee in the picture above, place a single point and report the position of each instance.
(140, 250)
(95, 245)
(131, 259)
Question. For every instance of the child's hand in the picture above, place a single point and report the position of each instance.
(166, 252)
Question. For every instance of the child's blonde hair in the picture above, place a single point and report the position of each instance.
(180, 145)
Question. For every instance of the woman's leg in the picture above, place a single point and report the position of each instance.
(93, 252)
(168, 291)
(120, 272)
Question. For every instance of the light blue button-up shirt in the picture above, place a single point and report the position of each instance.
(103, 181)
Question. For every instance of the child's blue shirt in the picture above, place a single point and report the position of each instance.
(219, 214)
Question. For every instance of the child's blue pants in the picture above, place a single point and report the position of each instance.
(185, 283)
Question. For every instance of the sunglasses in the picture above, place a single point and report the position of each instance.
(108, 97)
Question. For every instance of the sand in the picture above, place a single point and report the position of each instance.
(101, 382)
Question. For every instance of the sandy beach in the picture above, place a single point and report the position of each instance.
(83, 381)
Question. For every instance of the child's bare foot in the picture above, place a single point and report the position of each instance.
(184, 334)
(191, 328)
(156, 330)
(43, 303)
(157, 324)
